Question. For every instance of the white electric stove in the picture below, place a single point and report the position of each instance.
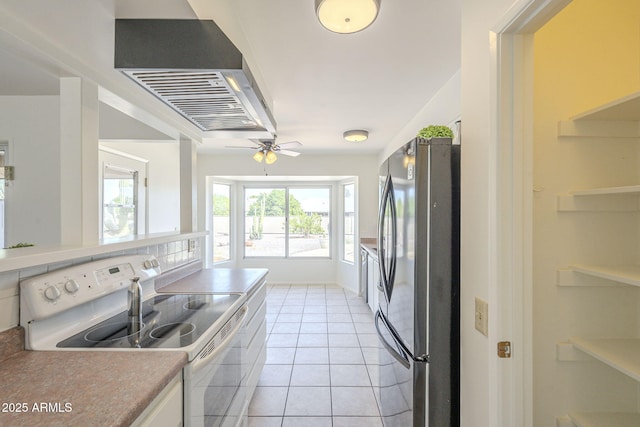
(86, 307)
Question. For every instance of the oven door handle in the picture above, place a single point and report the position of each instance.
(203, 358)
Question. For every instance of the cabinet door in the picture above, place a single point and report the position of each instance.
(166, 409)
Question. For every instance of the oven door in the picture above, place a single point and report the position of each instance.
(214, 394)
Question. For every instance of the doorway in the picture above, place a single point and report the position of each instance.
(123, 194)
(552, 381)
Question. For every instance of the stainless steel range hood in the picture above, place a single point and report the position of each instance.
(194, 68)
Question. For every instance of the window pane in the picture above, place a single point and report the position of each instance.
(309, 213)
(348, 243)
(221, 222)
(264, 220)
(119, 211)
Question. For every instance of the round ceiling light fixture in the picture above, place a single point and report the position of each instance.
(356, 135)
(347, 16)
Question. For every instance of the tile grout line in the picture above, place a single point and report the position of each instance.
(308, 302)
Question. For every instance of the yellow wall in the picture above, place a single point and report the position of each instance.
(586, 56)
(591, 52)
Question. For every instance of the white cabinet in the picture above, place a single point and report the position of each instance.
(254, 337)
(614, 261)
(166, 409)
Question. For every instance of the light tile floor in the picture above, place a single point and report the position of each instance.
(322, 353)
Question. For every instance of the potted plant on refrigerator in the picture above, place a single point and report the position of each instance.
(435, 131)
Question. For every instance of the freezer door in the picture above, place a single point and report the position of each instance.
(402, 284)
(402, 381)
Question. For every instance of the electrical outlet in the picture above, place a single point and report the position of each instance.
(482, 316)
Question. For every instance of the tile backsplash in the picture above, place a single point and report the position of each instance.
(170, 255)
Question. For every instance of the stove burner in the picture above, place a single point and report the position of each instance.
(184, 328)
(111, 332)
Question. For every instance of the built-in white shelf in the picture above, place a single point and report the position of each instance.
(628, 274)
(610, 199)
(616, 119)
(629, 189)
(568, 277)
(625, 108)
(622, 354)
(605, 419)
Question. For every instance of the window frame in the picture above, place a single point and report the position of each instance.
(287, 186)
(124, 171)
(343, 246)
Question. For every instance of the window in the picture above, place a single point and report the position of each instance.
(309, 210)
(264, 221)
(120, 202)
(287, 221)
(348, 237)
(221, 204)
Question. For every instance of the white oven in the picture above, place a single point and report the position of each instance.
(93, 307)
(214, 392)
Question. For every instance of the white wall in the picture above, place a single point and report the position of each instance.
(164, 180)
(442, 109)
(479, 394)
(33, 211)
(364, 167)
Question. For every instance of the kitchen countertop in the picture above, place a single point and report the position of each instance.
(99, 388)
(82, 388)
(370, 245)
(218, 280)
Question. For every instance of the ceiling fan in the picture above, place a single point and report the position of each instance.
(268, 148)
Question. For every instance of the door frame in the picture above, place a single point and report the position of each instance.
(511, 196)
(6, 143)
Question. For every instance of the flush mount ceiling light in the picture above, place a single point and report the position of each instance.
(356, 135)
(347, 16)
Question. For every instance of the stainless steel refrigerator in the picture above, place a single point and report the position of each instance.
(418, 317)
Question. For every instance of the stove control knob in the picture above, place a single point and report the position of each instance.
(52, 293)
(71, 286)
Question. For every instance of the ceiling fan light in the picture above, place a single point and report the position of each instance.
(347, 16)
(357, 135)
(271, 157)
(258, 157)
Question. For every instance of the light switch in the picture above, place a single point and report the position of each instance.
(482, 316)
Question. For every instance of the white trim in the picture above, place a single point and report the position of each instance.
(511, 205)
(122, 154)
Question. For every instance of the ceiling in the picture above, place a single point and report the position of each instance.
(319, 83)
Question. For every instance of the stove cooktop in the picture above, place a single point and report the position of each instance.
(168, 321)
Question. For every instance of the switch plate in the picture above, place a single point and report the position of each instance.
(482, 316)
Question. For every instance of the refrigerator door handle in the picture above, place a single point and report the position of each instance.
(382, 250)
(394, 350)
(394, 240)
(387, 272)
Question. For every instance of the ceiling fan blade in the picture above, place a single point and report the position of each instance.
(289, 153)
(290, 144)
(236, 146)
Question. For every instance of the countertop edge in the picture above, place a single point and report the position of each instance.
(88, 382)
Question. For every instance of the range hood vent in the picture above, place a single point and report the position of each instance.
(195, 69)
